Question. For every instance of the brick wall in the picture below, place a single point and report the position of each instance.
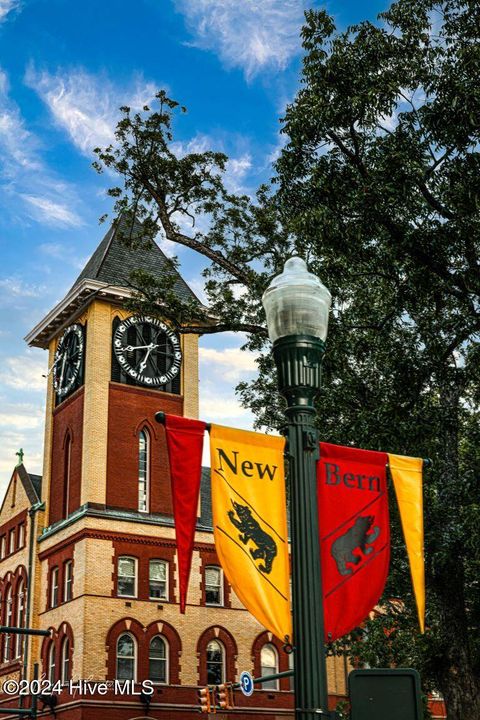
(130, 409)
(67, 423)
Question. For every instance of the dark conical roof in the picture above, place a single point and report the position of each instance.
(113, 262)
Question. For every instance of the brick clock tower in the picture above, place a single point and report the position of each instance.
(95, 557)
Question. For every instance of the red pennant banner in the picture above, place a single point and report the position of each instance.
(354, 534)
(185, 446)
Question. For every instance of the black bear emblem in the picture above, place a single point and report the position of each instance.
(250, 529)
(356, 537)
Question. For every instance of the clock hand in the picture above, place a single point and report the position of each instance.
(131, 348)
(64, 358)
(50, 369)
(143, 364)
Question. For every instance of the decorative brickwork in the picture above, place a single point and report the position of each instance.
(67, 428)
(129, 410)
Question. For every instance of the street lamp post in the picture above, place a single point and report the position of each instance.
(297, 307)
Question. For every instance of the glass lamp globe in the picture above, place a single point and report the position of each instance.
(296, 303)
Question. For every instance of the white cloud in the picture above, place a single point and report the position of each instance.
(24, 175)
(52, 213)
(18, 145)
(250, 34)
(85, 105)
(24, 372)
(6, 6)
(232, 363)
(15, 287)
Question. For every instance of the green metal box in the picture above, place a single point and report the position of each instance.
(385, 694)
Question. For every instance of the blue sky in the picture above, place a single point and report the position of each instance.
(65, 68)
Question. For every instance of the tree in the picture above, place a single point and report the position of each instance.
(378, 188)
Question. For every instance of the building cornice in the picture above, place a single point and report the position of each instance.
(72, 306)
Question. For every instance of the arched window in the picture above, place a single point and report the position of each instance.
(269, 666)
(158, 660)
(66, 474)
(213, 585)
(215, 663)
(143, 470)
(51, 663)
(65, 661)
(126, 660)
(20, 617)
(7, 648)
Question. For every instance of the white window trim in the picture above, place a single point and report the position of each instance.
(67, 565)
(221, 603)
(135, 564)
(167, 660)
(7, 647)
(275, 670)
(146, 433)
(135, 655)
(222, 647)
(54, 586)
(165, 562)
(65, 642)
(51, 666)
(20, 619)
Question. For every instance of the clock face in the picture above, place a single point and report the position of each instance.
(147, 350)
(68, 360)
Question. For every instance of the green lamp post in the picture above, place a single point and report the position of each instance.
(297, 306)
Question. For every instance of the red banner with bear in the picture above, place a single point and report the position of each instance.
(354, 534)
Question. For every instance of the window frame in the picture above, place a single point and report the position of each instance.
(275, 685)
(220, 587)
(222, 664)
(11, 541)
(21, 535)
(19, 640)
(135, 576)
(65, 663)
(54, 587)
(128, 657)
(146, 479)
(51, 663)
(67, 580)
(166, 565)
(166, 659)
(7, 646)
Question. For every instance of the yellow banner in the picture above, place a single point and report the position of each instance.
(250, 523)
(407, 479)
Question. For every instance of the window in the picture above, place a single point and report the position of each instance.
(3, 544)
(143, 470)
(11, 541)
(51, 663)
(21, 535)
(213, 585)
(269, 666)
(65, 660)
(68, 581)
(127, 580)
(7, 648)
(125, 657)
(215, 663)
(157, 660)
(158, 580)
(20, 618)
(54, 588)
(66, 474)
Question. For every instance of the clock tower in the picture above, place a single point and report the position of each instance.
(110, 371)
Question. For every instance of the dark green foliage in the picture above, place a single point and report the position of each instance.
(378, 188)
